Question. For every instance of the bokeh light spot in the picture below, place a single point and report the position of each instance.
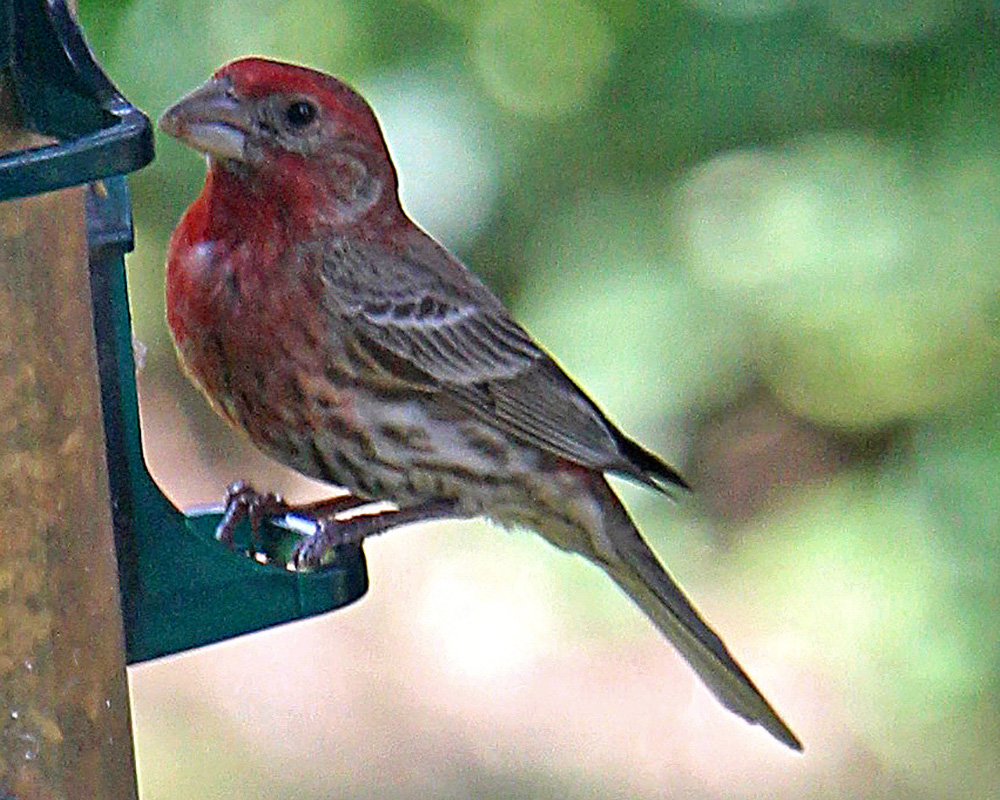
(542, 59)
(828, 247)
(888, 22)
(744, 9)
(291, 32)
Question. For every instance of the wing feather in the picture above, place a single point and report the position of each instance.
(428, 311)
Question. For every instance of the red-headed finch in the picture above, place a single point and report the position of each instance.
(349, 345)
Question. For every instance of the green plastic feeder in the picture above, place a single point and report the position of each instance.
(179, 587)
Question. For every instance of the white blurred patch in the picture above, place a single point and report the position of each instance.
(139, 351)
(485, 624)
(444, 155)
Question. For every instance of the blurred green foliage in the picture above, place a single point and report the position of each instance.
(705, 209)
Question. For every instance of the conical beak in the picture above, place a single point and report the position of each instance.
(211, 119)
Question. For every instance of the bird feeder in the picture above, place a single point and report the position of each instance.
(97, 567)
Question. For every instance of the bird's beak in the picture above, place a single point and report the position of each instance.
(211, 119)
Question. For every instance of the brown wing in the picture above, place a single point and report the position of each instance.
(425, 318)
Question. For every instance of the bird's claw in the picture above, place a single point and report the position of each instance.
(311, 552)
(245, 502)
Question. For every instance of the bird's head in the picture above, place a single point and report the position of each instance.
(289, 133)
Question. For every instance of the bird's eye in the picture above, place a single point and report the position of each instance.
(300, 113)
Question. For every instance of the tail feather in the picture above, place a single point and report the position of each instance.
(635, 568)
(649, 468)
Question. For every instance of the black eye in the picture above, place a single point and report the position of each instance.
(300, 113)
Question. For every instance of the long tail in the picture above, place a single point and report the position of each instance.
(635, 568)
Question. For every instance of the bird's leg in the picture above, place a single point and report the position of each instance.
(332, 533)
(331, 506)
(245, 502)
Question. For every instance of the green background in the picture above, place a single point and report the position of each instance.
(764, 235)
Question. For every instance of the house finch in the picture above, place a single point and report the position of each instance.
(349, 345)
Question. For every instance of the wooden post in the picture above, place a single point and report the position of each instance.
(64, 714)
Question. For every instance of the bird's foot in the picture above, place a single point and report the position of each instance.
(331, 533)
(245, 502)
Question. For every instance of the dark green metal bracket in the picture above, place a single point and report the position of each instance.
(180, 588)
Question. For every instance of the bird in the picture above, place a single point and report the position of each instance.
(348, 344)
